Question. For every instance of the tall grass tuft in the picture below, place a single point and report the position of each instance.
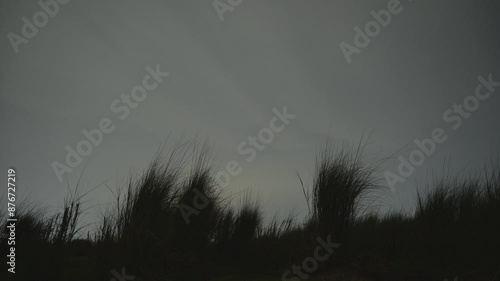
(199, 206)
(64, 225)
(145, 213)
(225, 229)
(341, 182)
(141, 221)
(248, 221)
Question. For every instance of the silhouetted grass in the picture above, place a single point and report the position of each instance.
(340, 182)
(171, 223)
(277, 228)
(458, 216)
(41, 239)
(196, 230)
(247, 223)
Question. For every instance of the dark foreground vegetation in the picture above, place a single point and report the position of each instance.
(453, 232)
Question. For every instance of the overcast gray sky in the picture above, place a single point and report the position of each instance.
(227, 76)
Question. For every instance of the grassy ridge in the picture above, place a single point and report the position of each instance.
(454, 230)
